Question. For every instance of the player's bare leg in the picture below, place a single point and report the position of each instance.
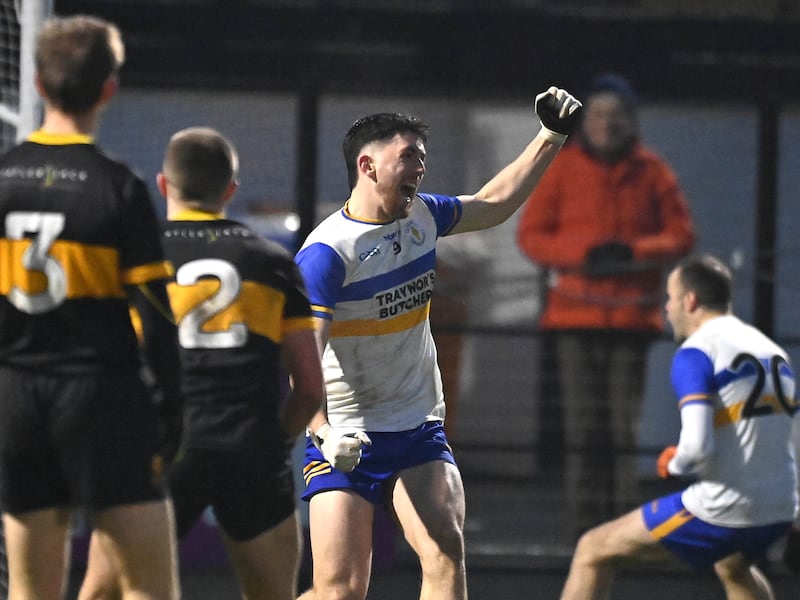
(603, 549)
(429, 503)
(36, 545)
(101, 579)
(139, 540)
(267, 565)
(741, 580)
(341, 543)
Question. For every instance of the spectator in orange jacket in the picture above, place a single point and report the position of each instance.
(606, 220)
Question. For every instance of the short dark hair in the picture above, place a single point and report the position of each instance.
(200, 163)
(710, 280)
(380, 126)
(74, 58)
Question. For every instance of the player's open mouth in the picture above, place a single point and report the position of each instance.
(408, 191)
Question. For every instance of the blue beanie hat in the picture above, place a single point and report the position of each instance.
(615, 84)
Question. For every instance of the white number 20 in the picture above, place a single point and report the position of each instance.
(190, 334)
(45, 227)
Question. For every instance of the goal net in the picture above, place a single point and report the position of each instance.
(20, 110)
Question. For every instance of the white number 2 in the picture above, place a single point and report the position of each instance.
(46, 227)
(189, 329)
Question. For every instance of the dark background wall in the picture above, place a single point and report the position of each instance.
(733, 50)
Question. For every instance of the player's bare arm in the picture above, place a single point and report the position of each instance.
(501, 196)
(308, 393)
(321, 332)
(341, 446)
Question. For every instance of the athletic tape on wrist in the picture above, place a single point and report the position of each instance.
(552, 136)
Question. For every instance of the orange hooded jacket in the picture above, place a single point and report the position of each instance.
(582, 202)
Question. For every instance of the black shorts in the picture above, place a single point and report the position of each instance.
(250, 492)
(84, 441)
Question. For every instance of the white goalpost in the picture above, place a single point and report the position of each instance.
(20, 108)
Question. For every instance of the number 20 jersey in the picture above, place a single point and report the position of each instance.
(76, 227)
(750, 477)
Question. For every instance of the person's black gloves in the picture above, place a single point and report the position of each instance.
(791, 552)
(559, 112)
(610, 258)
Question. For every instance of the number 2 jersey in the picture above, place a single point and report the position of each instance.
(234, 296)
(76, 227)
(750, 477)
(374, 281)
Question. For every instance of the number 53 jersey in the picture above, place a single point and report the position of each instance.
(749, 477)
(76, 227)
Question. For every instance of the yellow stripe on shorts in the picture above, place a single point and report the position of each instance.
(315, 468)
(671, 524)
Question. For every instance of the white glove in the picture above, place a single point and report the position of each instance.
(340, 446)
(559, 112)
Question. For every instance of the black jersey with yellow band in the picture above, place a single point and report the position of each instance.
(234, 296)
(76, 228)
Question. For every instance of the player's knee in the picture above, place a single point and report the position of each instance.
(341, 592)
(342, 586)
(736, 574)
(445, 549)
(732, 569)
(590, 547)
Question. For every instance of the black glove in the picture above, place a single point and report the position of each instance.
(791, 552)
(610, 258)
(558, 111)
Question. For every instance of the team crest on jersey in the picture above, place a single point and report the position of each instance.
(417, 235)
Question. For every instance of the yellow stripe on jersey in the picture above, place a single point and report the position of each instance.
(258, 306)
(674, 522)
(297, 324)
(729, 415)
(322, 309)
(149, 272)
(360, 327)
(691, 398)
(94, 270)
(91, 271)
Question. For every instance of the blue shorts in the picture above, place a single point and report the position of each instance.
(702, 544)
(389, 453)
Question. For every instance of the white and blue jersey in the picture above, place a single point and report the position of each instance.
(374, 281)
(749, 477)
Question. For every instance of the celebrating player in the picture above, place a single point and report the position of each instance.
(736, 395)
(369, 269)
